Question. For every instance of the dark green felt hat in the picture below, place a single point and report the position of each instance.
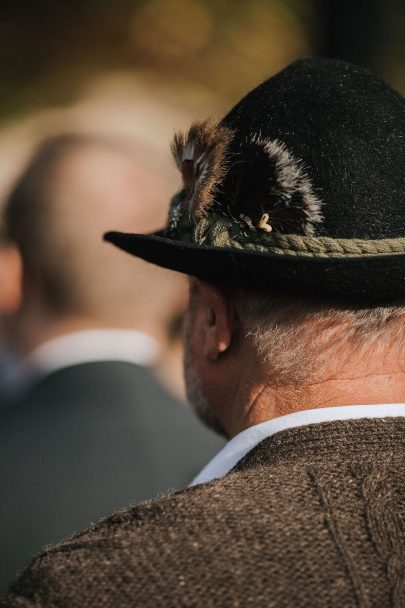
(300, 188)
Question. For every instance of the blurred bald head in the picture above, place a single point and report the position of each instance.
(75, 189)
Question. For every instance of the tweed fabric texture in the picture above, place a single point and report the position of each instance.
(311, 517)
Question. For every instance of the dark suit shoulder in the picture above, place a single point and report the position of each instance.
(85, 441)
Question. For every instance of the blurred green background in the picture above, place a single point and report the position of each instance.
(141, 69)
(50, 49)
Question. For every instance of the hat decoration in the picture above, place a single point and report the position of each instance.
(201, 158)
(267, 188)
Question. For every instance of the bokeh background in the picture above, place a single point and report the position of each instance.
(143, 67)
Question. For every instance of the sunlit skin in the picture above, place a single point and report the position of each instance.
(236, 383)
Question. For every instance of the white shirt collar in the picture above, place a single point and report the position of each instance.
(248, 439)
(91, 346)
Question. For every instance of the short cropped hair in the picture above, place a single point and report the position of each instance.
(297, 336)
(27, 221)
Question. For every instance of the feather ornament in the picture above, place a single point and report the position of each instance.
(201, 157)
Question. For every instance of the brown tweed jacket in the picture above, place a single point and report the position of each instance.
(314, 517)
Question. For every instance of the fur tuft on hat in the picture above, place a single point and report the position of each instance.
(269, 189)
(200, 156)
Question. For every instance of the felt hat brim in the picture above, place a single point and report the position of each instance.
(373, 279)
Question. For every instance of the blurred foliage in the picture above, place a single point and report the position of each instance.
(50, 48)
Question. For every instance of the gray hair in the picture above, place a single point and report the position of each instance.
(296, 338)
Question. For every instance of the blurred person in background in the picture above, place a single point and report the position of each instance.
(94, 430)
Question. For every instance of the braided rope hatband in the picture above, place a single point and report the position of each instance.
(215, 230)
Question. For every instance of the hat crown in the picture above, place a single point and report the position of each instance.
(343, 128)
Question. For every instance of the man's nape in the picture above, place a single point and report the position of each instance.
(251, 360)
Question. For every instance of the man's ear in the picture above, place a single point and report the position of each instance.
(217, 320)
(10, 279)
